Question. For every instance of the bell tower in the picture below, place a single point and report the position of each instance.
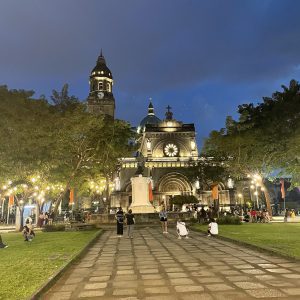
(101, 99)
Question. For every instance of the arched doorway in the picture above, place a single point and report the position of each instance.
(173, 184)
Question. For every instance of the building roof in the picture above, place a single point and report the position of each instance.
(150, 118)
(101, 68)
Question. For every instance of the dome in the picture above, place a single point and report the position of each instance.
(150, 118)
(101, 68)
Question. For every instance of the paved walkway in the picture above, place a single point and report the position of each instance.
(154, 266)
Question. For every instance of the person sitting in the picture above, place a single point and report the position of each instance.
(28, 234)
(2, 245)
(247, 217)
(182, 231)
(213, 228)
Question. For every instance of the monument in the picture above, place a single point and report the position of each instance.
(140, 195)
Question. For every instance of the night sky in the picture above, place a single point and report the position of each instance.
(203, 58)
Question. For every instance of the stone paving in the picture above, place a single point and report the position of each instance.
(157, 266)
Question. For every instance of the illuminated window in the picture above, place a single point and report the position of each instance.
(108, 87)
(100, 85)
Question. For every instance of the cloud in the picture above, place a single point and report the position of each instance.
(201, 57)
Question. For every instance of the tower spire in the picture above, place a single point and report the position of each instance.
(101, 59)
(150, 108)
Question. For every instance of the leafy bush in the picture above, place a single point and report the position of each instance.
(232, 220)
(50, 228)
(184, 199)
(192, 220)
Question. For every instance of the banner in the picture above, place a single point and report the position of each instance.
(282, 189)
(71, 197)
(215, 191)
(150, 192)
(11, 200)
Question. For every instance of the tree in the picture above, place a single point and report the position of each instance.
(62, 101)
(264, 138)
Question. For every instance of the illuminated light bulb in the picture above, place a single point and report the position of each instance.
(15, 188)
(9, 182)
(262, 189)
(193, 145)
(252, 186)
(248, 175)
(255, 193)
(4, 187)
(240, 195)
(36, 187)
(34, 194)
(33, 179)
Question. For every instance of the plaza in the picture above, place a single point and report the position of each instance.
(168, 118)
(156, 266)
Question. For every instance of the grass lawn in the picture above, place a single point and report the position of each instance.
(279, 237)
(25, 266)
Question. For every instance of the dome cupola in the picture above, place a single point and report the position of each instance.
(101, 69)
(151, 118)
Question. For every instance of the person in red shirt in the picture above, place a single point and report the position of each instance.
(253, 215)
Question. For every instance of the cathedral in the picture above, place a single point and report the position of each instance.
(168, 148)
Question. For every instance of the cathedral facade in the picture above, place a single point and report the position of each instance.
(168, 150)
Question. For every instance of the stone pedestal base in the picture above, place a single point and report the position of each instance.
(142, 209)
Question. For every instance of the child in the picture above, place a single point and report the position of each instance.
(212, 228)
(182, 230)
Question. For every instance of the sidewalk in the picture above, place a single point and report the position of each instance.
(156, 266)
(7, 228)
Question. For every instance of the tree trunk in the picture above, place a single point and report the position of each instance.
(268, 199)
(57, 202)
(19, 223)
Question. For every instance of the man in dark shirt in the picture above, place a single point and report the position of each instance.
(119, 218)
(130, 223)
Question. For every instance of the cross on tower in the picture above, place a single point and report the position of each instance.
(169, 114)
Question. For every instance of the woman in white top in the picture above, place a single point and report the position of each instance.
(182, 230)
(212, 228)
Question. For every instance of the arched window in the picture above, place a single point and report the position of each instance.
(100, 85)
(108, 87)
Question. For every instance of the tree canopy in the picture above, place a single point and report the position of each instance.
(266, 136)
(61, 143)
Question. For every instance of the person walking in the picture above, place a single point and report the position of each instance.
(120, 220)
(130, 221)
(163, 217)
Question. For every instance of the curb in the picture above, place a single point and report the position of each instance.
(250, 246)
(54, 278)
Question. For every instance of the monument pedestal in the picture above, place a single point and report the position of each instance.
(140, 195)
